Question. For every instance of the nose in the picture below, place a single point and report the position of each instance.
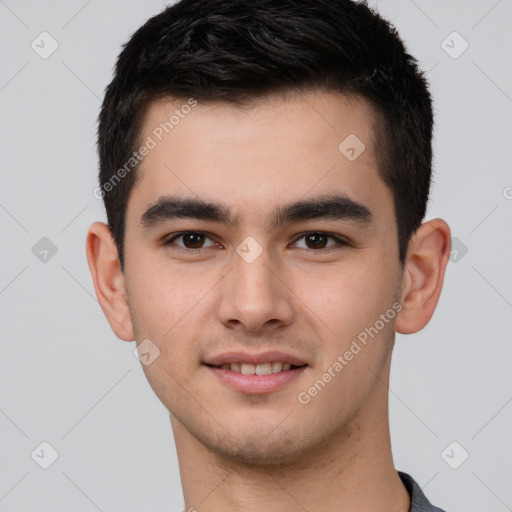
(255, 297)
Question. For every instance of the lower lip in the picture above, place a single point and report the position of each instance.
(256, 383)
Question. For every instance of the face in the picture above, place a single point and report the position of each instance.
(262, 273)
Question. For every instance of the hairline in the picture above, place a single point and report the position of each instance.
(371, 112)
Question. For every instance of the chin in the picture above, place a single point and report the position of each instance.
(259, 452)
(259, 445)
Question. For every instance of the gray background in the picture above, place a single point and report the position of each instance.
(67, 380)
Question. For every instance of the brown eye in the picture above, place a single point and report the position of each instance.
(317, 240)
(193, 240)
(190, 240)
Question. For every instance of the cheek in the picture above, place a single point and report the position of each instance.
(166, 301)
(345, 297)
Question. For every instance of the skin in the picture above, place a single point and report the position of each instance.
(256, 452)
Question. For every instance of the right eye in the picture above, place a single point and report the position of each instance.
(191, 240)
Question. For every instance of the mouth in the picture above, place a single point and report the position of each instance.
(256, 373)
(257, 369)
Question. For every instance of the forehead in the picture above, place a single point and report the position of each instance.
(257, 157)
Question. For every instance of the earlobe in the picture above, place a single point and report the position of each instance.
(427, 258)
(108, 279)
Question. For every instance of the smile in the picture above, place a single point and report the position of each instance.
(256, 378)
(257, 369)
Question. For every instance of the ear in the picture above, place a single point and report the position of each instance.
(427, 256)
(108, 278)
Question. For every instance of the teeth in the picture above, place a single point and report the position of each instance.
(256, 369)
(248, 369)
(264, 369)
(277, 367)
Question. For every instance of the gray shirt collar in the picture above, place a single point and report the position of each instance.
(419, 502)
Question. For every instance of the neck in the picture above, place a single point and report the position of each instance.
(351, 471)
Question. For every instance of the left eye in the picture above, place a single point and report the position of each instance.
(315, 240)
(318, 240)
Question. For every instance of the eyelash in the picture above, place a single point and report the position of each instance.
(340, 241)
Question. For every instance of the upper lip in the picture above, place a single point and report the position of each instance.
(262, 357)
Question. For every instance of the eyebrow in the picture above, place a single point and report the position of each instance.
(332, 207)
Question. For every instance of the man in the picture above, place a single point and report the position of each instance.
(265, 168)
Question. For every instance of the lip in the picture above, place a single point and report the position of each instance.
(262, 357)
(255, 384)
